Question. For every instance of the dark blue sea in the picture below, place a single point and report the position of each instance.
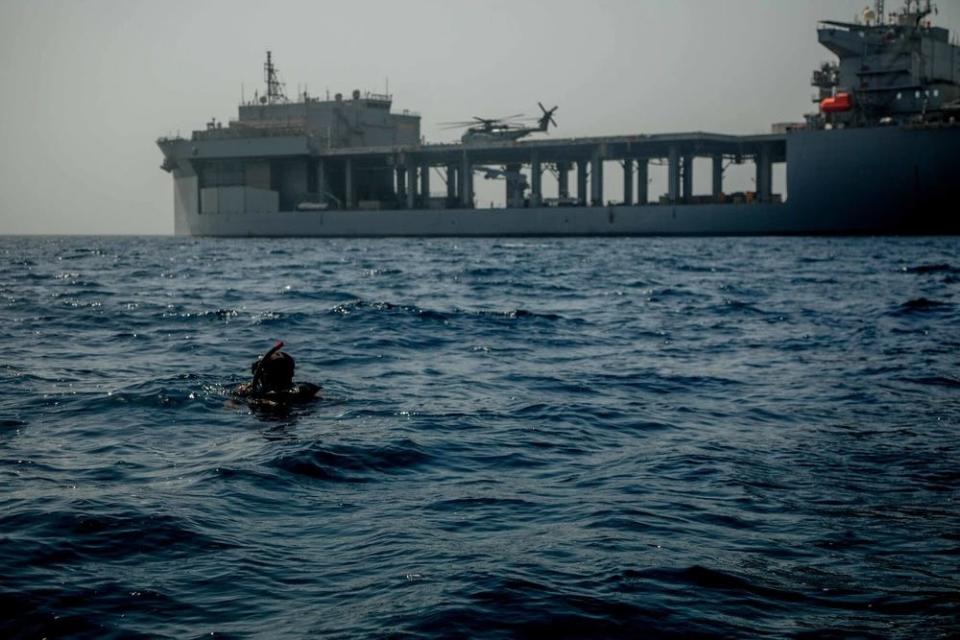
(574, 438)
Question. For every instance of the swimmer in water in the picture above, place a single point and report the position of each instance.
(272, 382)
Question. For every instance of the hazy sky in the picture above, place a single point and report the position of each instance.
(88, 85)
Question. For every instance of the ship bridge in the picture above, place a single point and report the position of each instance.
(896, 68)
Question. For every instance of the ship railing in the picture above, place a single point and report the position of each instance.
(245, 131)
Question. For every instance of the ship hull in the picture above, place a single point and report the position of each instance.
(887, 180)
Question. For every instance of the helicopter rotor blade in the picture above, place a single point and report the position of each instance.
(548, 114)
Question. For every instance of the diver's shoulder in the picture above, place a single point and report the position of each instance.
(302, 392)
(307, 389)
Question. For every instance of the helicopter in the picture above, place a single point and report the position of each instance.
(502, 129)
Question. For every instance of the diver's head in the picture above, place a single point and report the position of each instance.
(277, 373)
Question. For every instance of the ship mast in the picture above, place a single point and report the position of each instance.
(275, 88)
(917, 10)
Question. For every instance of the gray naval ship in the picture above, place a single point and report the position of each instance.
(880, 155)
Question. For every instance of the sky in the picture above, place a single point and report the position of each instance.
(87, 86)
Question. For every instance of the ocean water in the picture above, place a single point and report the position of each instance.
(604, 438)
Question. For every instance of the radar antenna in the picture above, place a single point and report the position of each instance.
(275, 88)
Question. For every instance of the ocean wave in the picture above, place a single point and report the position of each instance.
(661, 382)
(281, 319)
(11, 423)
(219, 315)
(519, 314)
(521, 607)
(97, 609)
(731, 306)
(349, 463)
(481, 504)
(360, 307)
(935, 381)
(168, 392)
(932, 268)
(759, 594)
(70, 536)
(920, 305)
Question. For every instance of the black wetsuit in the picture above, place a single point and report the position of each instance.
(297, 394)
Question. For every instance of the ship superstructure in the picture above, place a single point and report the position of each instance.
(892, 69)
(879, 156)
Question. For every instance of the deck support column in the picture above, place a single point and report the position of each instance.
(451, 185)
(687, 178)
(764, 174)
(536, 173)
(425, 185)
(466, 182)
(563, 180)
(717, 176)
(348, 183)
(321, 177)
(628, 182)
(643, 181)
(514, 180)
(596, 179)
(582, 198)
(411, 186)
(673, 175)
(401, 178)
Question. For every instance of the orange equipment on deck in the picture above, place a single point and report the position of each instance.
(838, 103)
